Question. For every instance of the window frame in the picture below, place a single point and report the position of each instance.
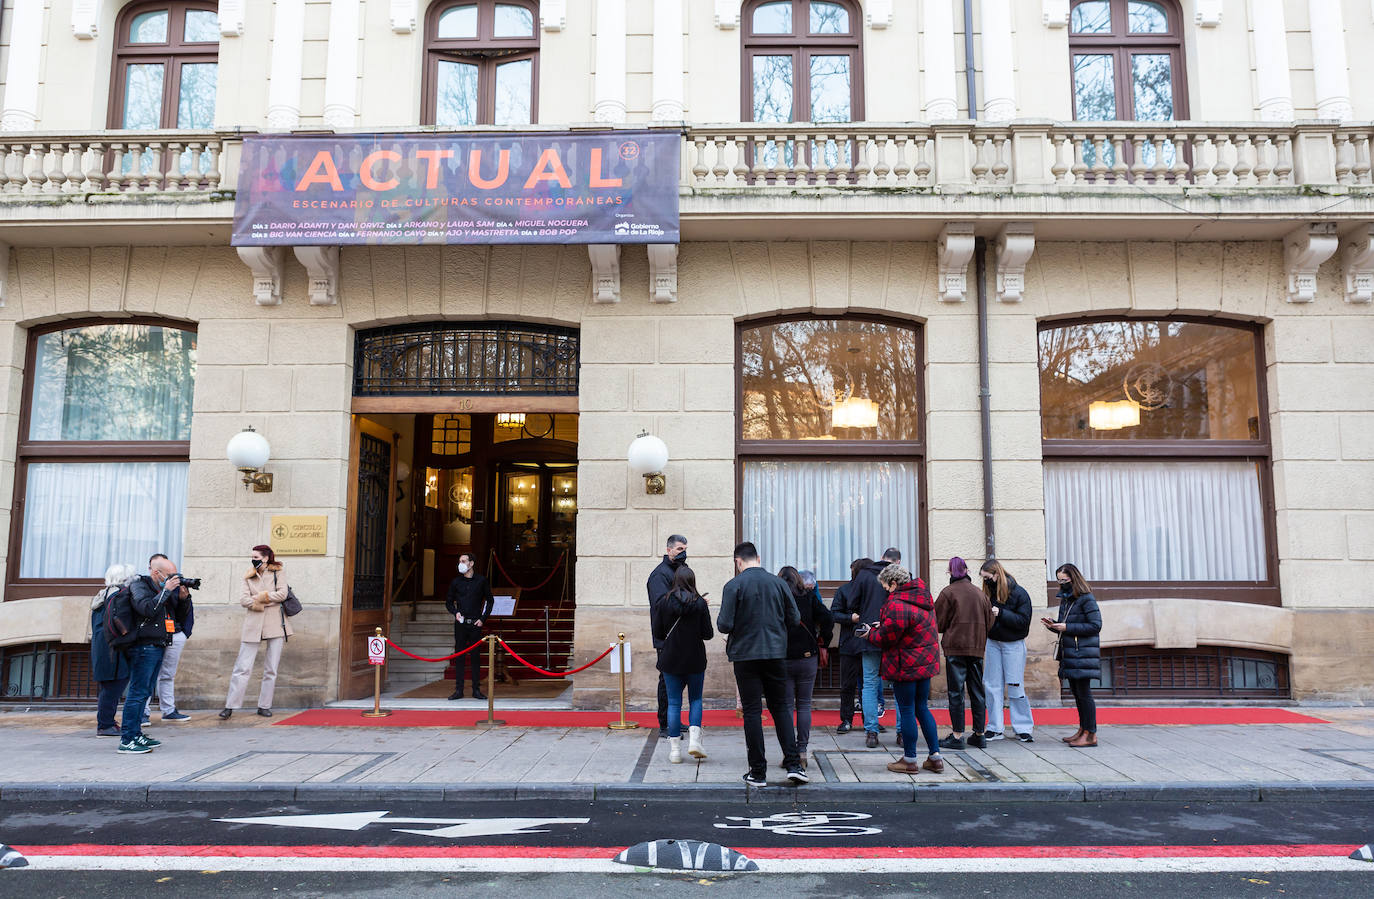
(1258, 451)
(28, 452)
(1121, 45)
(489, 53)
(801, 46)
(837, 450)
(172, 54)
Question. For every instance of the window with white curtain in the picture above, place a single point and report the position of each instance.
(1157, 456)
(103, 455)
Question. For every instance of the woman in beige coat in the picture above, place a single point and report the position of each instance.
(262, 594)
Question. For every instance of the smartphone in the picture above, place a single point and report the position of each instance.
(1047, 620)
(862, 630)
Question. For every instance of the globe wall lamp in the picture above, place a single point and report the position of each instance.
(248, 451)
(648, 456)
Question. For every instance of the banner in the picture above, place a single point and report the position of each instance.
(592, 187)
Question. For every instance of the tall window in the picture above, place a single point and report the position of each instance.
(1127, 61)
(481, 63)
(103, 453)
(830, 441)
(1156, 450)
(802, 61)
(165, 66)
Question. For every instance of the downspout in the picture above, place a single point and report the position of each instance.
(969, 79)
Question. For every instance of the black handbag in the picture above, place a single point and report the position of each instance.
(291, 606)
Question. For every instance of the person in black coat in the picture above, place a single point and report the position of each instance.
(805, 642)
(469, 601)
(866, 607)
(850, 647)
(659, 583)
(681, 629)
(1079, 651)
(109, 669)
(1004, 661)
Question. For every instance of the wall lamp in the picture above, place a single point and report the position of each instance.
(248, 451)
(648, 456)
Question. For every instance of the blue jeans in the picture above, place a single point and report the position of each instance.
(873, 686)
(913, 707)
(144, 662)
(674, 684)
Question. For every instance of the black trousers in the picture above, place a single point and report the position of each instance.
(662, 699)
(464, 635)
(851, 672)
(966, 672)
(760, 681)
(1082, 689)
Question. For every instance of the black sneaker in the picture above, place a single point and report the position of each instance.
(456, 694)
(176, 717)
(953, 741)
(1025, 738)
(109, 732)
(755, 780)
(797, 775)
(844, 728)
(977, 741)
(993, 735)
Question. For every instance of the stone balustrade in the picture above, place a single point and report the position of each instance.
(112, 162)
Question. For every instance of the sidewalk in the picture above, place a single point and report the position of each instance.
(56, 756)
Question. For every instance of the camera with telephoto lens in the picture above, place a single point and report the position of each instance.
(190, 583)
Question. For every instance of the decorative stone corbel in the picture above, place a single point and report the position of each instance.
(727, 13)
(1015, 244)
(86, 19)
(1304, 250)
(1357, 263)
(231, 18)
(1055, 13)
(4, 273)
(322, 264)
(605, 272)
(266, 264)
(553, 14)
(1208, 13)
(663, 272)
(403, 16)
(879, 13)
(954, 251)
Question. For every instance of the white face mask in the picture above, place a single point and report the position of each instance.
(464, 567)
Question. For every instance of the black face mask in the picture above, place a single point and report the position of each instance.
(1066, 590)
(257, 563)
(679, 560)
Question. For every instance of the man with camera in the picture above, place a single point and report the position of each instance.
(154, 625)
(183, 615)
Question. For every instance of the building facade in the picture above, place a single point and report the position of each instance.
(1152, 222)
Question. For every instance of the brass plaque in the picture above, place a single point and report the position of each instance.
(299, 535)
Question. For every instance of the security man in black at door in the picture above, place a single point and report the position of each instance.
(469, 601)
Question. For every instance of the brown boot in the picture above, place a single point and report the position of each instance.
(1076, 734)
(934, 765)
(1086, 741)
(901, 766)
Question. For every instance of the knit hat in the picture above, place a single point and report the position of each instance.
(958, 568)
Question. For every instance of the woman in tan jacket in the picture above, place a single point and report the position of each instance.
(262, 595)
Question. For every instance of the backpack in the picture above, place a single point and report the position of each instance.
(121, 627)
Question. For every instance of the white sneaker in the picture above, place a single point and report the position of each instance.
(694, 743)
(675, 750)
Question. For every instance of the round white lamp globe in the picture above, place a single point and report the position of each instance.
(647, 455)
(248, 449)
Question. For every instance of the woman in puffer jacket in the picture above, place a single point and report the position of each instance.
(1079, 651)
(683, 624)
(911, 657)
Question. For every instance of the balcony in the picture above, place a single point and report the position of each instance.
(1203, 180)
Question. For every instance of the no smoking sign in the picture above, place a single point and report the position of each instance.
(376, 650)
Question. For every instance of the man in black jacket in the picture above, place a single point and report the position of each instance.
(183, 613)
(866, 604)
(469, 601)
(154, 626)
(850, 647)
(658, 586)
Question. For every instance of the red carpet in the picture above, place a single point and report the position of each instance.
(726, 718)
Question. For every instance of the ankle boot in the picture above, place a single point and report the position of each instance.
(1076, 734)
(694, 743)
(1084, 741)
(675, 750)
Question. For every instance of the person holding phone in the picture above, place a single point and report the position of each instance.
(1079, 651)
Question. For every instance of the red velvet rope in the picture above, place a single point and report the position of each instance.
(543, 583)
(440, 659)
(515, 655)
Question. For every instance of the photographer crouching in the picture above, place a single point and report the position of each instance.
(151, 598)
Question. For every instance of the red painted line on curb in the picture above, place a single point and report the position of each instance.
(757, 852)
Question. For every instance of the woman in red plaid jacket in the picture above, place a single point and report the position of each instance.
(911, 657)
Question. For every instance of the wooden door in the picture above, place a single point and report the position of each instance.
(366, 602)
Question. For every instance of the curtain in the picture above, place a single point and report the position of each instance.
(1156, 521)
(823, 515)
(82, 517)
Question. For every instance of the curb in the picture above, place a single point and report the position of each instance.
(916, 792)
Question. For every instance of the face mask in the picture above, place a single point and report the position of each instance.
(680, 558)
(464, 567)
(257, 563)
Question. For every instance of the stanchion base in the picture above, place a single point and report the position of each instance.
(485, 723)
(382, 714)
(623, 725)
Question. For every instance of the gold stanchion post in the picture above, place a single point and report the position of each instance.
(622, 724)
(377, 710)
(491, 683)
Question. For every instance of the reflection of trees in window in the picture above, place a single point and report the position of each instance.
(481, 63)
(1127, 60)
(165, 65)
(801, 62)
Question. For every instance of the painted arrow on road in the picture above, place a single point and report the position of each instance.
(458, 827)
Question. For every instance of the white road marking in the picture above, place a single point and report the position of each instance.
(461, 827)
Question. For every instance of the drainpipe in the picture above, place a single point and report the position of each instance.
(969, 79)
(980, 248)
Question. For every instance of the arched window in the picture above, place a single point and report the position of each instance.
(1127, 61)
(166, 65)
(830, 449)
(802, 61)
(1156, 449)
(481, 63)
(103, 455)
